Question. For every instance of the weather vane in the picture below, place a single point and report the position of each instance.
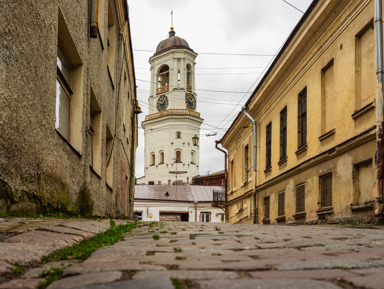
(172, 19)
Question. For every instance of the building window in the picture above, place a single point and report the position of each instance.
(205, 217)
(63, 93)
(300, 198)
(266, 208)
(327, 98)
(94, 132)
(153, 159)
(363, 178)
(178, 134)
(189, 78)
(246, 162)
(365, 64)
(178, 156)
(281, 204)
(163, 79)
(268, 146)
(302, 119)
(326, 190)
(109, 158)
(111, 43)
(193, 161)
(283, 134)
(161, 158)
(232, 182)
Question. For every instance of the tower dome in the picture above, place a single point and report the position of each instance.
(172, 42)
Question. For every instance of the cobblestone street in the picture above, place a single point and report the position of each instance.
(201, 255)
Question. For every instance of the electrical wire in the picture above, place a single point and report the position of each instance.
(217, 53)
(293, 6)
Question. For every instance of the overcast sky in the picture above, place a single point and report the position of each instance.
(212, 28)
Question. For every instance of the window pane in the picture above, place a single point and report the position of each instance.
(64, 66)
(62, 111)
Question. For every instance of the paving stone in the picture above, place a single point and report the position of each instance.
(155, 283)
(325, 264)
(266, 284)
(184, 275)
(87, 279)
(65, 230)
(46, 239)
(22, 254)
(5, 268)
(21, 283)
(88, 225)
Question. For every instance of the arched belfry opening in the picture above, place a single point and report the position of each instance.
(163, 79)
(189, 77)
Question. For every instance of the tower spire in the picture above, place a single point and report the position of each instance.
(172, 20)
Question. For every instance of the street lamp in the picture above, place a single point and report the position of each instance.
(195, 140)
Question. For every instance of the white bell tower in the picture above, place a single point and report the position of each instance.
(172, 127)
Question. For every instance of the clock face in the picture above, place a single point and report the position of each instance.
(162, 103)
(190, 101)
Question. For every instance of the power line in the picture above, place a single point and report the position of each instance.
(209, 90)
(218, 53)
(198, 68)
(293, 6)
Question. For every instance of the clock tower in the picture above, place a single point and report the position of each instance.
(172, 126)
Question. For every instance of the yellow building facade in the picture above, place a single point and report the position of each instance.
(315, 125)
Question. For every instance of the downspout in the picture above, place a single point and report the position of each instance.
(379, 108)
(244, 109)
(94, 18)
(225, 180)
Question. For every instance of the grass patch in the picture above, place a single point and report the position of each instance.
(176, 283)
(18, 270)
(82, 250)
(163, 232)
(156, 237)
(176, 250)
(217, 229)
(221, 233)
(191, 237)
(183, 229)
(180, 258)
(172, 241)
(150, 253)
(51, 275)
(173, 233)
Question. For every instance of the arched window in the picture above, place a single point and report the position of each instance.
(189, 77)
(178, 134)
(163, 79)
(193, 160)
(153, 159)
(178, 156)
(161, 158)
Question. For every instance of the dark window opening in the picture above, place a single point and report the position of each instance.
(268, 146)
(326, 190)
(302, 120)
(283, 134)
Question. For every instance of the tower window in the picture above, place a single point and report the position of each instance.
(153, 159)
(189, 78)
(178, 156)
(193, 161)
(163, 80)
(161, 158)
(178, 134)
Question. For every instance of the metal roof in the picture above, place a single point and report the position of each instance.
(182, 193)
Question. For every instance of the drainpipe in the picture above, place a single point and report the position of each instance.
(225, 180)
(244, 109)
(379, 107)
(94, 16)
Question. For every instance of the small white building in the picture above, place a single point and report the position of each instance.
(177, 203)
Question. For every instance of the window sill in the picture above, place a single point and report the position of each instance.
(69, 144)
(327, 134)
(266, 221)
(301, 150)
(366, 206)
(282, 161)
(300, 215)
(363, 110)
(94, 172)
(267, 170)
(280, 219)
(325, 211)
